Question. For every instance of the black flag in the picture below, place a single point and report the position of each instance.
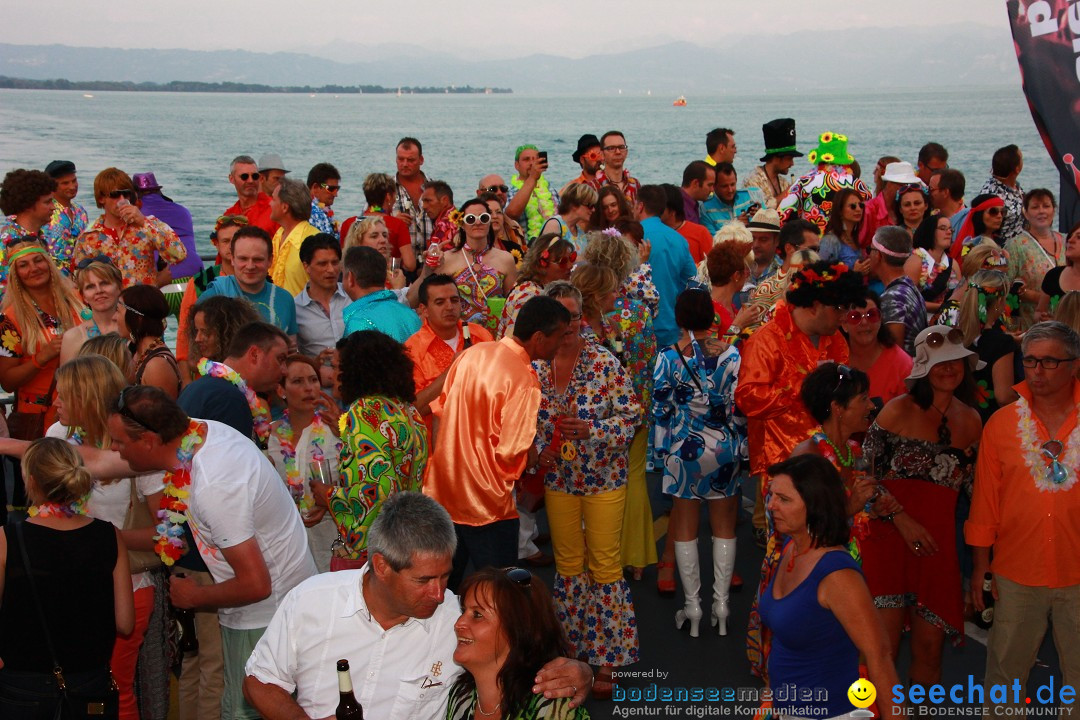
(1046, 34)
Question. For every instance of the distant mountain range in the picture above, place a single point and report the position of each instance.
(869, 58)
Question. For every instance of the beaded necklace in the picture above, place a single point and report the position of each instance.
(320, 433)
(260, 413)
(169, 536)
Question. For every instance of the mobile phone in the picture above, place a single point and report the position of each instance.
(542, 154)
(754, 207)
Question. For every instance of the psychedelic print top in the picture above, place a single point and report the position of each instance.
(629, 336)
(132, 248)
(477, 283)
(522, 293)
(810, 197)
(599, 392)
(67, 224)
(384, 450)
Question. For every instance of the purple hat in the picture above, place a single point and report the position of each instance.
(145, 182)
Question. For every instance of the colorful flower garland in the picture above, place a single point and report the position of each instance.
(1042, 466)
(860, 524)
(169, 539)
(48, 509)
(320, 433)
(260, 413)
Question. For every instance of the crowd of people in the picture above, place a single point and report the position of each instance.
(350, 448)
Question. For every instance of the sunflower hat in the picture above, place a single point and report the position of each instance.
(831, 150)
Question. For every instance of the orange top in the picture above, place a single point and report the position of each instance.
(431, 355)
(698, 238)
(487, 423)
(1034, 533)
(775, 361)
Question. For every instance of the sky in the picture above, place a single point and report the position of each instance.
(572, 28)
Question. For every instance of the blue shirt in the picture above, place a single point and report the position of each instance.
(381, 311)
(715, 212)
(321, 220)
(274, 304)
(672, 267)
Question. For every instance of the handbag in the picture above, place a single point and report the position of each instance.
(138, 517)
(80, 697)
(29, 425)
(339, 559)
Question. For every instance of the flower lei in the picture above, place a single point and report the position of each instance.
(260, 413)
(860, 526)
(808, 276)
(1037, 461)
(49, 509)
(293, 477)
(169, 538)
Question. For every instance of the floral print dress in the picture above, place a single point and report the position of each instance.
(598, 617)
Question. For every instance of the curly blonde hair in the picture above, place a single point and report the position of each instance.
(611, 250)
(361, 226)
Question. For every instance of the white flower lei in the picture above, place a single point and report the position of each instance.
(1033, 457)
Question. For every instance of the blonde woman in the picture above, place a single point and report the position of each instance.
(979, 319)
(630, 263)
(98, 282)
(575, 208)
(39, 307)
(84, 388)
(624, 327)
(113, 348)
(81, 591)
(372, 232)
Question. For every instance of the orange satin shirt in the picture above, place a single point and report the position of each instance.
(431, 355)
(1034, 533)
(775, 360)
(487, 424)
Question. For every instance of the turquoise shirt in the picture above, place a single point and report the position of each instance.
(381, 311)
(715, 213)
(274, 304)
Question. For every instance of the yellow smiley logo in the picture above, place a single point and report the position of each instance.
(862, 693)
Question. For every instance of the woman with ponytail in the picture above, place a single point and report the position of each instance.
(979, 318)
(70, 555)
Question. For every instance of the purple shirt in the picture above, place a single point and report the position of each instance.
(690, 208)
(178, 218)
(903, 304)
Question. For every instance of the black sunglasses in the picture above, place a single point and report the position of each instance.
(245, 176)
(123, 409)
(496, 188)
(85, 263)
(117, 194)
(520, 576)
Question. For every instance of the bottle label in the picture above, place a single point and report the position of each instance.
(344, 681)
(987, 615)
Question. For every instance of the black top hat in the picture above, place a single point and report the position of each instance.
(584, 144)
(779, 139)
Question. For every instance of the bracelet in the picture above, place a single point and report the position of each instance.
(887, 518)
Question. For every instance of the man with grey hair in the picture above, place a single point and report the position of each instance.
(393, 620)
(1025, 507)
(903, 310)
(291, 208)
(250, 202)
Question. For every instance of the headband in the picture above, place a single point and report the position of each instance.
(886, 251)
(967, 230)
(24, 252)
(909, 188)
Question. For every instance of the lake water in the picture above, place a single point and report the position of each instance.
(187, 140)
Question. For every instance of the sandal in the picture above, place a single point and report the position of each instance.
(665, 587)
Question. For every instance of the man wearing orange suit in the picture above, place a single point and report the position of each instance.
(485, 429)
(439, 340)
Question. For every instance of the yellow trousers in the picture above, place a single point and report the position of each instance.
(586, 532)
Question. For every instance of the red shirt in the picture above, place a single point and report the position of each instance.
(698, 238)
(258, 214)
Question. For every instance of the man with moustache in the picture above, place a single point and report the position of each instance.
(393, 620)
(589, 156)
(780, 153)
(69, 218)
(409, 156)
(250, 202)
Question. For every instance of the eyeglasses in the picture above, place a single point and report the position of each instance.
(1048, 363)
(85, 263)
(1055, 471)
(936, 339)
(123, 409)
(521, 576)
(245, 176)
(495, 188)
(482, 219)
(856, 206)
(619, 148)
(565, 262)
(855, 317)
(128, 308)
(117, 194)
(994, 211)
(330, 188)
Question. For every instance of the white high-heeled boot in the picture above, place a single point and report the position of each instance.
(723, 557)
(686, 558)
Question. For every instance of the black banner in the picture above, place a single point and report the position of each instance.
(1046, 34)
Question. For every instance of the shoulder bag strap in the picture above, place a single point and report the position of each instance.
(57, 671)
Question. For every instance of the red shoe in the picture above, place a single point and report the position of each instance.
(736, 582)
(665, 586)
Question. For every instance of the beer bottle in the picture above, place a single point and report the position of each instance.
(185, 623)
(986, 618)
(347, 708)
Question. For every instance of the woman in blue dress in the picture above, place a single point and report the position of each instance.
(701, 440)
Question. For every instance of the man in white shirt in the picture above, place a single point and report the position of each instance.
(245, 523)
(393, 621)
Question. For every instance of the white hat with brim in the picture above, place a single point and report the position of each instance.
(901, 172)
(949, 345)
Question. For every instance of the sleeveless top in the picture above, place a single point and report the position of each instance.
(67, 564)
(163, 352)
(810, 648)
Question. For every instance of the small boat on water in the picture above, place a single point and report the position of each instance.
(680, 101)
(87, 95)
